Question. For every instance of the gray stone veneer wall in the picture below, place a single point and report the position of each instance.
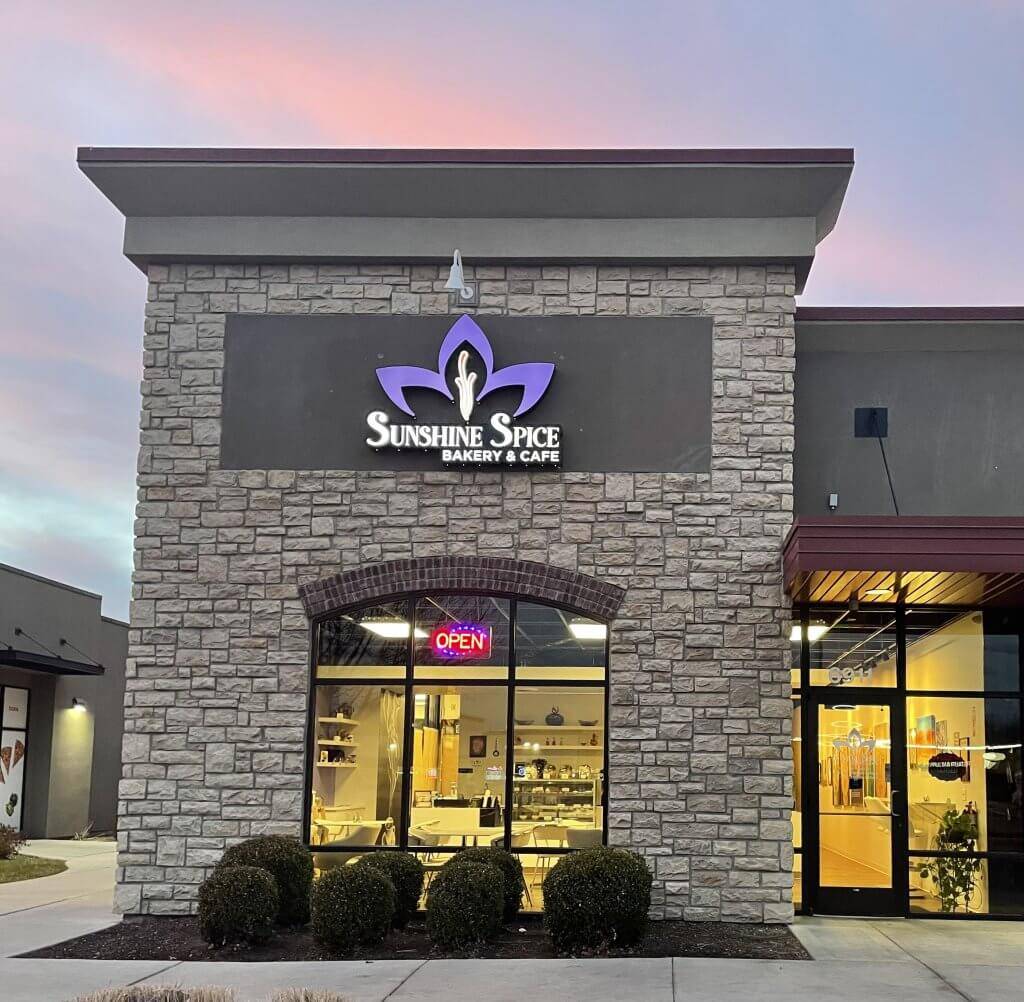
(217, 677)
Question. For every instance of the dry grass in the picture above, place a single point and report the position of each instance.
(160, 993)
(173, 993)
(306, 995)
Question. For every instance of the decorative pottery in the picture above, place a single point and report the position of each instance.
(554, 718)
(588, 723)
(523, 723)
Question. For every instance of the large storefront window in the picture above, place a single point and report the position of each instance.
(445, 721)
(907, 751)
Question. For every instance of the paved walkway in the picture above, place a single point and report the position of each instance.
(35, 913)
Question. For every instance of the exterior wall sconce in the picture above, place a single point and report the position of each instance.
(78, 704)
(457, 283)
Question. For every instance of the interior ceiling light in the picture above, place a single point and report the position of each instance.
(391, 629)
(588, 631)
(877, 592)
(815, 631)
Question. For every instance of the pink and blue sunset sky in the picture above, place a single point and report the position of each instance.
(930, 93)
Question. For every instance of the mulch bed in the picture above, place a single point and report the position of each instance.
(178, 939)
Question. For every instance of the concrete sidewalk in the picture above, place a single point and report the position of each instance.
(667, 980)
(36, 913)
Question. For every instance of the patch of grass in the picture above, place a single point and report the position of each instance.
(22, 867)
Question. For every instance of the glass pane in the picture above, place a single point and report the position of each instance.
(854, 770)
(798, 881)
(962, 885)
(794, 654)
(856, 851)
(458, 765)
(357, 765)
(949, 885)
(964, 773)
(463, 635)
(558, 765)
(555, 644)
(797, 745)
(853, 649)
(1006, 891)
(368, 643)
(961, 651)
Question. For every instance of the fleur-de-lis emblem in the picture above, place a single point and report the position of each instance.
(533, 377)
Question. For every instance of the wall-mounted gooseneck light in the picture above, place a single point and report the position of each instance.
(457, 282)
(78, 704)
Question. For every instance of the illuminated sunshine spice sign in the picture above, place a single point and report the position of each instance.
(503, 440)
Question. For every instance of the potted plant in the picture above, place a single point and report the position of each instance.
(955, 877)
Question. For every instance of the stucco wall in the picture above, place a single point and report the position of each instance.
(217, 678)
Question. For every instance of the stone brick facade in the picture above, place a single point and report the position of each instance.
(700, 767)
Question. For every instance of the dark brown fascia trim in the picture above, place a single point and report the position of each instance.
(993, 544)
(141, 154)
(904, 314)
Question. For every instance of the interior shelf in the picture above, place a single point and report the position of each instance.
(548, 728)
(335, 765)
(334, 743)
(338, 720)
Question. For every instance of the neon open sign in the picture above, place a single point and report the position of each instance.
(461, 640)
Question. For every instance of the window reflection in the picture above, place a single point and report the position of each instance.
(366, 643)
(357, 765)
(458, 765)
(964, 773)
(852, 648)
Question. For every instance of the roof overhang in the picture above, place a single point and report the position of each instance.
(654, 206)
(915, 559)
(10, 657)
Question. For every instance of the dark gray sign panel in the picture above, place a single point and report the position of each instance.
(629, 394)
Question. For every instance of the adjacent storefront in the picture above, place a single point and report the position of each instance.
(597, 549)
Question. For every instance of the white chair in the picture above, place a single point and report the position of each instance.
(548, 836)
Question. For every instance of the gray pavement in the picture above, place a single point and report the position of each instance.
(36, 913)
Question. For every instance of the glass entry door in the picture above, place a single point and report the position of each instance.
(858, 835)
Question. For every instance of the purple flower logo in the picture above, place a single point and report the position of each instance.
(533, 377)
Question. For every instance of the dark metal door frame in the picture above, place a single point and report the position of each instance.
(866, 900)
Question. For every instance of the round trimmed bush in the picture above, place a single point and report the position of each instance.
(289, 862)
(597, 898)
(405, 872)
(464, 905)
(511, 871)
(351, 905)
(237, 904)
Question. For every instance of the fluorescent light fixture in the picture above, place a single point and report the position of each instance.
(390, 629)
(815, 631)
(877, 592)
(588, 631)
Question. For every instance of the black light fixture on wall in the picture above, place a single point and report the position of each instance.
(873, 422)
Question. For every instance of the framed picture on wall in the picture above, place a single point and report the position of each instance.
(965, 754)
(478, 746)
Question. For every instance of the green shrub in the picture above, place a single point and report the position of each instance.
(288, 862)
(352, 905)
(237, 904)
(405, 871)
(11, 840)
(507, 865)
(597, 898)
(464, 905)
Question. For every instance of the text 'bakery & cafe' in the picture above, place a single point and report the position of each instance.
(594, 536)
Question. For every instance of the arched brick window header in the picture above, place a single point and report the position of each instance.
(525, 578)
